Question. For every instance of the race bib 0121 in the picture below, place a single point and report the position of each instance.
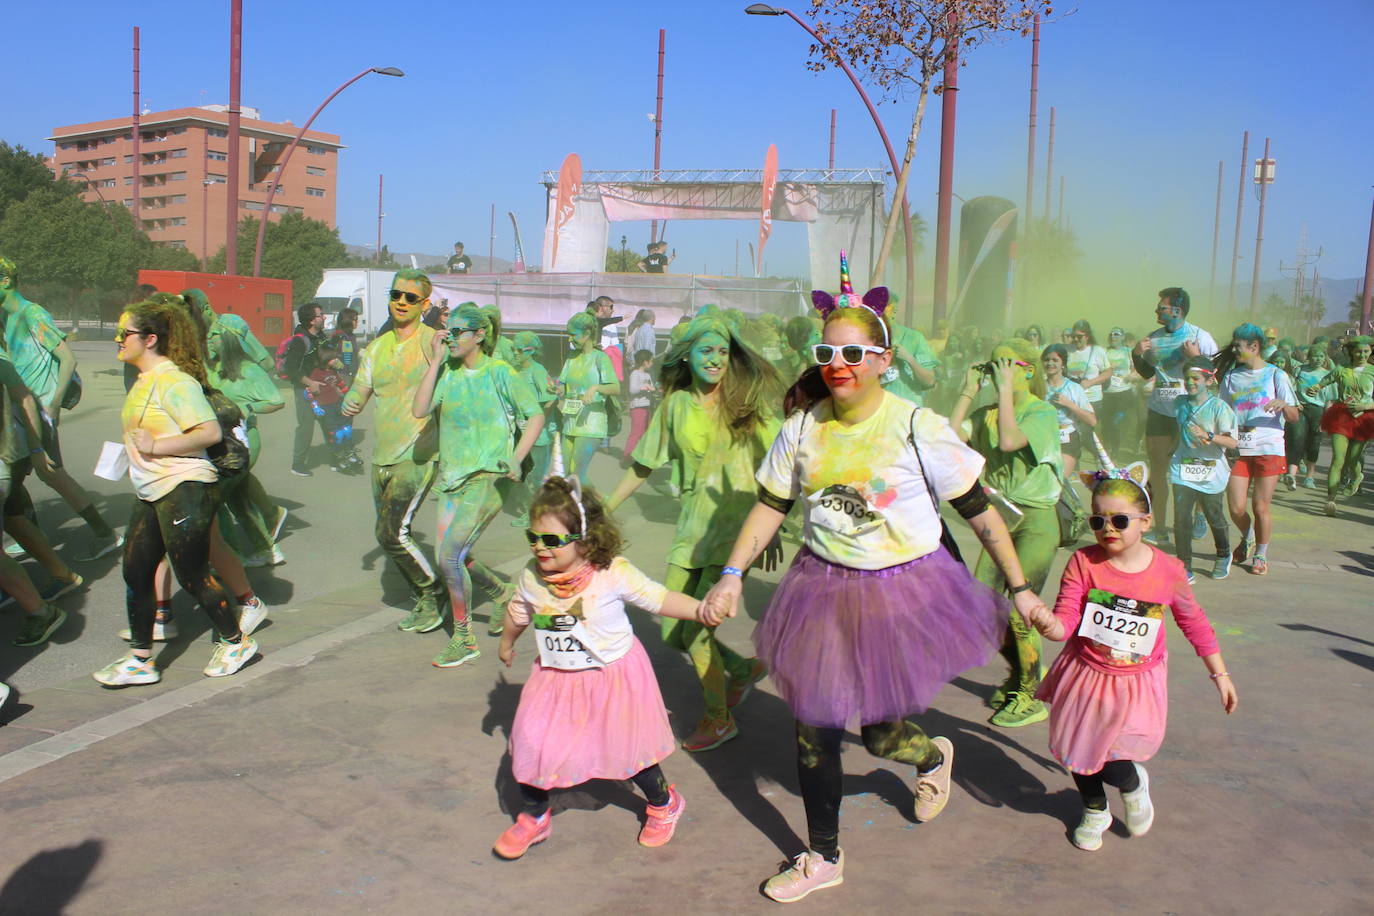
(563, 643)
(1123, 628)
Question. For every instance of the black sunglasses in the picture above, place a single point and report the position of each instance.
(122, 333)
(1120, 521)
(410, 298)
(551, 541)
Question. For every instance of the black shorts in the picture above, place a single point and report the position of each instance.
(1157, 424)
(1074, 447)
(48, 433)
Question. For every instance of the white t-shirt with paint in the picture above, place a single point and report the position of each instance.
(1248, 391)
(866, 503)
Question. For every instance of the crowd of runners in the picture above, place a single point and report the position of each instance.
(836, 436)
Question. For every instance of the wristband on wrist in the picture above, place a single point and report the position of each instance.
(1219, 674)
(732, 571)
(1023, 587)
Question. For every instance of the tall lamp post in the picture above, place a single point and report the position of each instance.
(95, 186)
(281, 168)
(763, 9)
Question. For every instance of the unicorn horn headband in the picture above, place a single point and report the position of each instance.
(1135, 472)
(875, 300)
(556, 469)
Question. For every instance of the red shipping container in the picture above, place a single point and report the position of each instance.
(263, 302)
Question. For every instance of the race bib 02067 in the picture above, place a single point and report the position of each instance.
(1197, 470)
(1126, 629)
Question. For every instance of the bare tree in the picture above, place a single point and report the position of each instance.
(903, 45)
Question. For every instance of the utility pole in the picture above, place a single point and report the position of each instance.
(231, 197)
(1030, 139)
(491, 244)
(1240, 207)
(1059, 220)
(1263, 177)
(1216, 235)
(1049, 167)
(945, 203)
(138, 127)
(832, 144)
(658, 126)
(379, 219)
(1368, 280)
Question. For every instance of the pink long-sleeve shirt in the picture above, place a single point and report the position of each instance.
(1164, 582)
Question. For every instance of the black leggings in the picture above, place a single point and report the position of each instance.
(1304, 436)
(1118, 773)
(650, 781)
(822, 777)
(176, 526)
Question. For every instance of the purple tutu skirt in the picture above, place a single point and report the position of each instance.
(875, 645)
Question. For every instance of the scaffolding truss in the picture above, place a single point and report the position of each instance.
(723, 176)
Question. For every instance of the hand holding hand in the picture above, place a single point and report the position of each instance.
(723, 598)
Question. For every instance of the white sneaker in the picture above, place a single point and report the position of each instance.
(162, 632)
(279, 524)
(1088, 834)
(229, 657)
(252, 615)
(128, 671)
(1140, 811)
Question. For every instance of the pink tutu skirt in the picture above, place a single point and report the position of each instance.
(875, 645)
(601, 723)
(1096, 717)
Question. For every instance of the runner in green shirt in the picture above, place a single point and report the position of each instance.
(404, 446)
(1019, 438)
(524, 348)
(586, 383)
(481, 403)
(714, 427)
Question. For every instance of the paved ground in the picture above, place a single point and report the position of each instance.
(342, 772)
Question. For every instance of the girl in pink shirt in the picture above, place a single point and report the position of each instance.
(1108, 689)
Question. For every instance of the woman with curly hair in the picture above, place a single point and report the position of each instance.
(168, 425)
(715, 425)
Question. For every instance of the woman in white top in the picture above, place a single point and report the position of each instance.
(1075, 411)
(874, 615)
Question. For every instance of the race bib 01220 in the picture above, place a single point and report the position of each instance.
(1125, 629)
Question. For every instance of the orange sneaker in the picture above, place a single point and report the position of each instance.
(710, 734)
(524, 833)
(661, 820)
(736, 691)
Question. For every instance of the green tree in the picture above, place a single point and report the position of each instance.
(621, 260)
(69, 251)
(22, 172)
(296, 248)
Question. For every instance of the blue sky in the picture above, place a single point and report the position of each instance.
(1149, 96)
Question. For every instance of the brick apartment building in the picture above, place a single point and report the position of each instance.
(184, 170)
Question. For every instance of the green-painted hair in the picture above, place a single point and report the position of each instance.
(414, 275)
(583, 323)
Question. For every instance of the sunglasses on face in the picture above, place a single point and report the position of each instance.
(1120, 521)
(551, 541)
(852, 354)
(123, 333)
(410, 298)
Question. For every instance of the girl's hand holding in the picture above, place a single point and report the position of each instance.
(1229, 698)
(724, 596)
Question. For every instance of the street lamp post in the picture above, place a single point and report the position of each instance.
(763, 9)
(94, 186)
(205, 219)
(281, 167)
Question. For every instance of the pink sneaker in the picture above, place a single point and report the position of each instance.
(809, 872)
(524, 833)
(661, 820)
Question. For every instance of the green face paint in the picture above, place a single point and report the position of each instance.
(709, 359)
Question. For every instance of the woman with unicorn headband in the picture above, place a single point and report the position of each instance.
(715, 425)
(875, 615)
(478, 399)
(591, 708)
(1018, 437)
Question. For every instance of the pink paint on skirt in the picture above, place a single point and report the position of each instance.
(601, 723)
(1097, 717)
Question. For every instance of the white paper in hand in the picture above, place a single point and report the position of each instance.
(113, 463)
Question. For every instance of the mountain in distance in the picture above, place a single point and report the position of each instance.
(480, 262)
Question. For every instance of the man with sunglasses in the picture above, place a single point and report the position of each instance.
(300, 360)
(404, 447)
(1161, 357)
